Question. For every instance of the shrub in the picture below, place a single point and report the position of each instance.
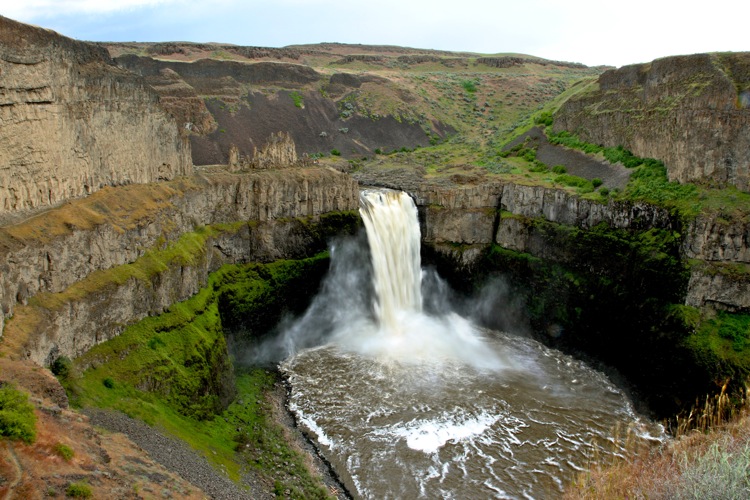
(469, 86)
(297, 98)
(109, 383)
(528, 154)
(378, 151)
(78, 490)
(335, 152)
(538, 167)
(64, 451)
(583, 185)
(61, 367)
(17, 418)
(596, 182)
(604, 192)
(544, 118)
(559, 169)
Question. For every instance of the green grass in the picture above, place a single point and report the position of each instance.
(297, 99)
(724, 341)
(173, 371)
(17, 418)
(64, 451)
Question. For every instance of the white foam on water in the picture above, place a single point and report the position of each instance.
(429, 435)
(427, 405)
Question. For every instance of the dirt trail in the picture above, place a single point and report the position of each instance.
(11, 457)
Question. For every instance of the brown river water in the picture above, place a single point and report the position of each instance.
(409, 404)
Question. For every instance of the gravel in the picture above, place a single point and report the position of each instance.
(177, 457)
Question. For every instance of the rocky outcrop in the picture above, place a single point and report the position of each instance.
(692, 112)
(460, 222)
(182, 101)
(717, 237)
(206, 75)
(471, 214)
(719, 244)
(119, 226)
(278, 151)
(64, 109)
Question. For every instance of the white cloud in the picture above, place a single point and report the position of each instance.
(29, 10)
(587, 31)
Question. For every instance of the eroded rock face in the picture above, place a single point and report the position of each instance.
(692, 112)
(268, 202)
(459, 222)
(64, 109)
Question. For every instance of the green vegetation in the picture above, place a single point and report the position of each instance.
(544, 118)
(721, 343)
(173, 370)
(17, 418)
(582, 185)
(469, 86)
(297, 99)
(607, 287)
(64, 451)
(78, 490)
(648, 182)
(335, 152)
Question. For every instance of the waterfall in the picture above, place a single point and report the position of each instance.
(390, 218)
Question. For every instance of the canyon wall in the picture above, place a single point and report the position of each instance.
(149, 246)
(65, 108)
(461, 222)
(691, 112)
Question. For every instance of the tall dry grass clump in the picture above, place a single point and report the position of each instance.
(709, 457)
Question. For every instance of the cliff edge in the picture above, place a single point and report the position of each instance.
(64, 109)
(692, 112)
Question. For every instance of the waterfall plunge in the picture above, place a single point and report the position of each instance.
(408, 404)
(390, 218)
(403, 332)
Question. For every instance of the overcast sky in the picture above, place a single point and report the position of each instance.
(592, 32)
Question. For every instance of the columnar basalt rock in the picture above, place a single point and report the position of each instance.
(689, 111)
(40, 259)
(64, 109)
(459, 222)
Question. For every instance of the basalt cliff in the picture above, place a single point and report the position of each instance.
(689, 111)
(65, 108)
(169, 196)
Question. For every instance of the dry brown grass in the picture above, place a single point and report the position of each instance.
(711, 436)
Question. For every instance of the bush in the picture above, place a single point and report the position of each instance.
(604, 192)
(109, 383)
(17, 418)
(596, 182)
(64, 451)
(583, 185)
(335, 152)
(469, 86)
(78, 490)
(378, 151)
(297, 98)
(61, 367)
(544, 119)
(559, 169)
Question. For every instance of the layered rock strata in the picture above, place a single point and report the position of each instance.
(64, 301)
(692, 112)
(461, 222)
(64, 109)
